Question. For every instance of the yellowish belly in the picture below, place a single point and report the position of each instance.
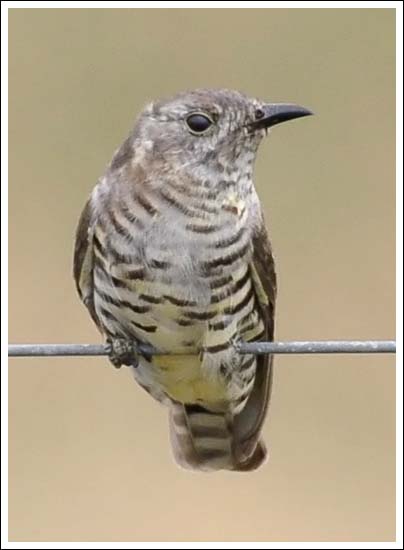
(184, 379)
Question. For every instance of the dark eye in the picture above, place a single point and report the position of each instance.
(259, 113)
(198, 123)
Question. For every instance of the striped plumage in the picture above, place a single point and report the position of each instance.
(172, 250)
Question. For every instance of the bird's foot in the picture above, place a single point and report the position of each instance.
(122, 352)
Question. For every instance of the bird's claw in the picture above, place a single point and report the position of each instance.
(122, 352)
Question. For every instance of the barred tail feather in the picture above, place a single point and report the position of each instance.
(204, 440)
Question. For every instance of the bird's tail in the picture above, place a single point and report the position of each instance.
(205, 440)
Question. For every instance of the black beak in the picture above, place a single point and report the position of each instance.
(275, 113)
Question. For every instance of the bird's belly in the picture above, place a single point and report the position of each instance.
(185, 379)
(184, 319)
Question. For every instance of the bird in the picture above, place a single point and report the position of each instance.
(172, 251)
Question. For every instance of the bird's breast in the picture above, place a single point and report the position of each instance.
(181, 285)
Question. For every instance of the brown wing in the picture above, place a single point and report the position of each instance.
(249, 422)
(83, 262)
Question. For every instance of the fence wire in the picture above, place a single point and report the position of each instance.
(256, 348)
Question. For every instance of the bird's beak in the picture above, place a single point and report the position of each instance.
(275, 113)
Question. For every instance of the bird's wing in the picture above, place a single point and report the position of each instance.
(248, 423)
(83, 263)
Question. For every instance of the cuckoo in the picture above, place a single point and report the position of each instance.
(172, 251)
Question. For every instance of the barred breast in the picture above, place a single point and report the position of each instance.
(172, 268)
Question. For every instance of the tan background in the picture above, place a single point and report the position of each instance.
(89, 452)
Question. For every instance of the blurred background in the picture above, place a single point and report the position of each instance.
(89, 454)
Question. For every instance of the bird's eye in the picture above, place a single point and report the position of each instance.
(259, 113)
(198, 123)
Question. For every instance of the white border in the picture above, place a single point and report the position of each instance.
(399, 275)
(4, 267)
(199, 4)
(4, 275)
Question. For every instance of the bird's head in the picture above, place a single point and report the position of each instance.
(206, 131)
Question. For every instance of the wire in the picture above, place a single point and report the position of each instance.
(256, 348)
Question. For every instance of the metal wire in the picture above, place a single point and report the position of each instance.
(257, 348)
